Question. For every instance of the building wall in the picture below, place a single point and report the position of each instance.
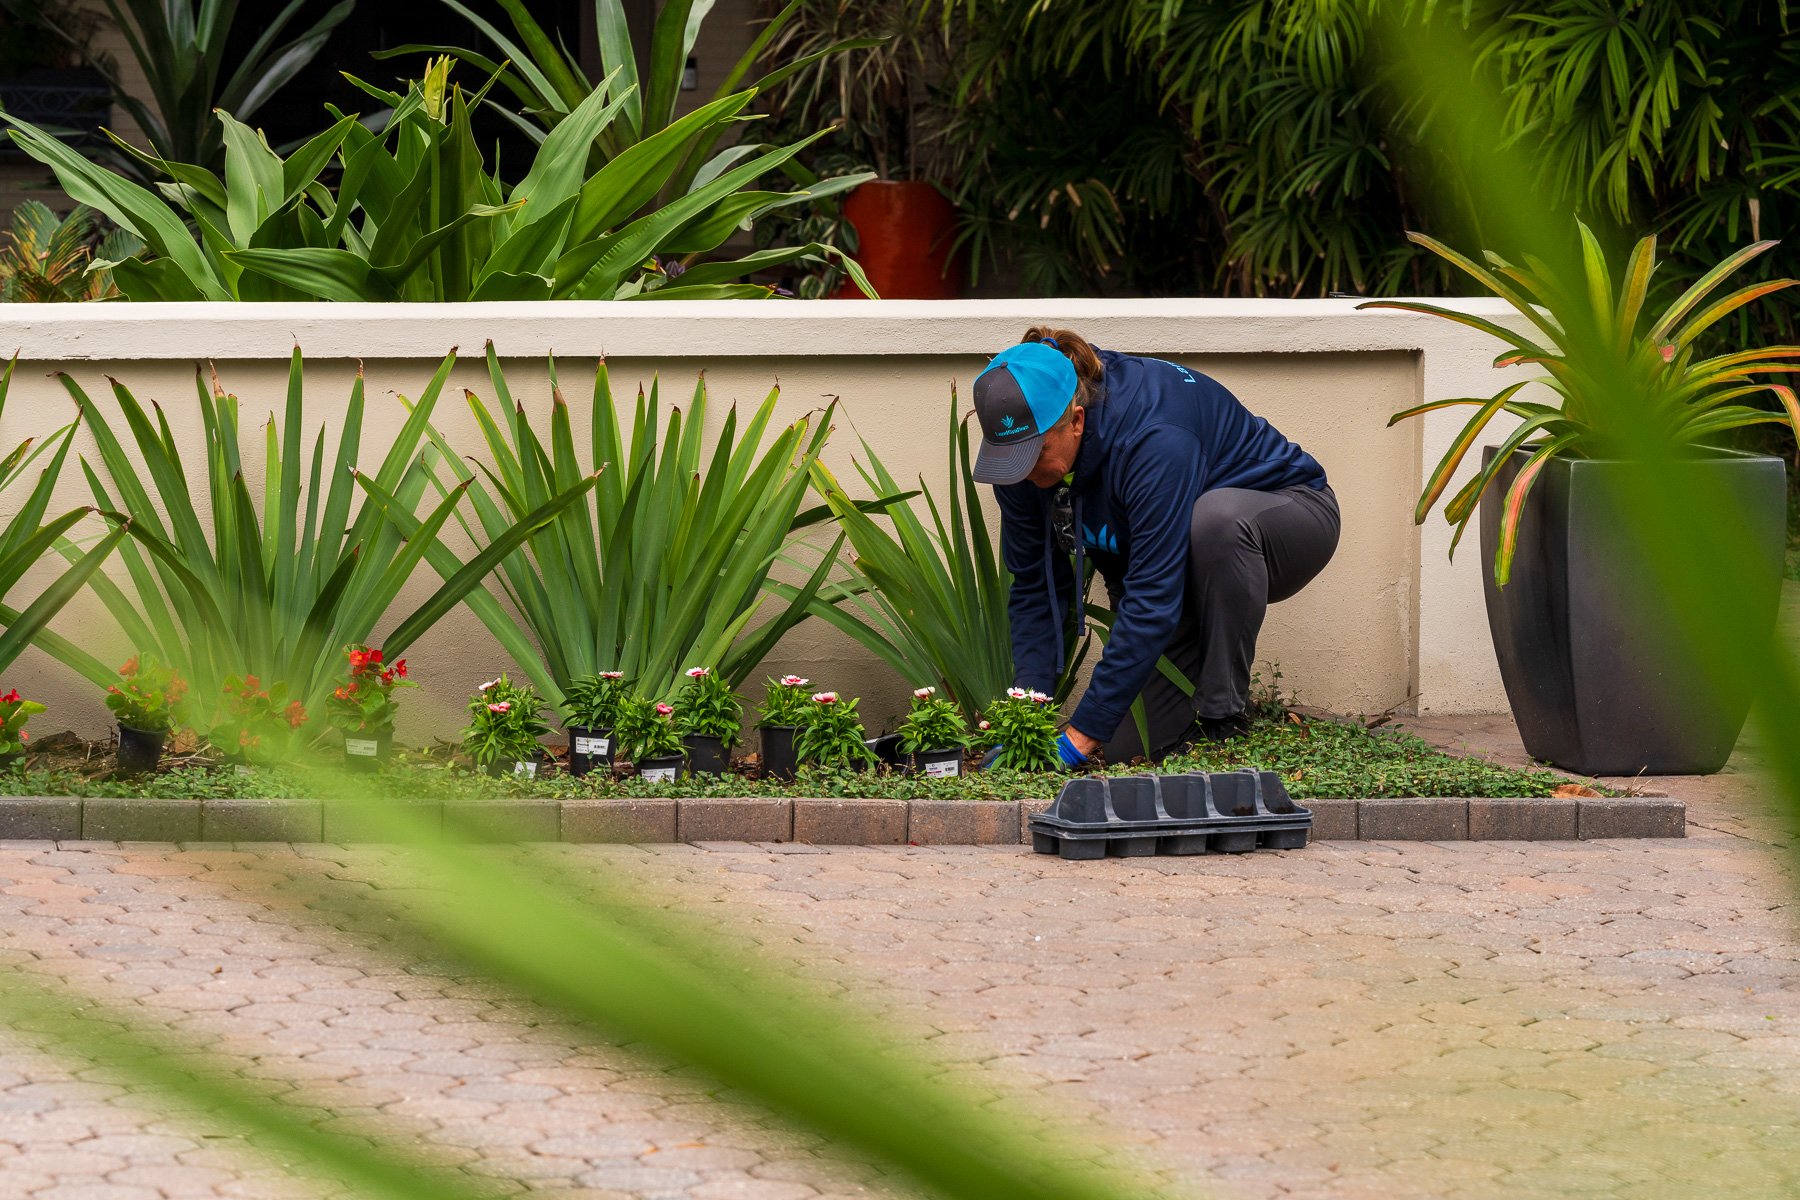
(1389, 621)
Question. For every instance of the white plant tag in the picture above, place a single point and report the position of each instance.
(592, 745)
(526, 769)
(658, 774)
(951, 768)
(362, 748)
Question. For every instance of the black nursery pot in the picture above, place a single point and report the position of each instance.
(367, 754)
(140, 749)
(937, 764)
(522, 768)
(778, 761)
(590, 749)
(662, 769)
(706, 755)
(1598, 679)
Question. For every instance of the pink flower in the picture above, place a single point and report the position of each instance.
(490, 683)
(794, 681)
(1668, 353)
(503, 706)
(985, 725)
(612, 674)
(1040, 697)
(924, 693)
(825, 697)
(1017, 693)
(698, 672)
(663, 710)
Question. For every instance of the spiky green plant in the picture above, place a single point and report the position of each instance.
(274, 589)
(45, 258)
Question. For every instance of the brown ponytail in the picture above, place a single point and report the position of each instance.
(1075, 348)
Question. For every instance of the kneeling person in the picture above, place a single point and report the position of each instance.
(1197, 514)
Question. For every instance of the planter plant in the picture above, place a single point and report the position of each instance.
(935, 734)
(362, 706)
(45, 258)
(14, 712)
(831, 734)
(504, 727)
(258, 725)
(784, 709)
(591, 704)
(647, 734)
(145, 702)
(1598, 678)
(1023, 728)
(711, 716)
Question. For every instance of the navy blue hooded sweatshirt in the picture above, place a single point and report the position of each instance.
(1158, 437)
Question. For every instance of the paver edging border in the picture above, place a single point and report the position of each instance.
(806, 819)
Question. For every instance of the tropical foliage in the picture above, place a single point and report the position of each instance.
(668, 563)
(274, 590)
(179, 48)
(417, 213)
(1682, 394)
(45, 258)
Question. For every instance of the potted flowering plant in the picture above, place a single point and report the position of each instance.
(646, 731)
(783, 710)
(591, 703)
(362, 706)
(259, 722)
(144, 703)
(1022, 727)
(711, 716)
(504, 727)
(935, 734)
(831, 734)
(14, 712)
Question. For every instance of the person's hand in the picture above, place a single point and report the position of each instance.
(1084, 744)
(1068, 751)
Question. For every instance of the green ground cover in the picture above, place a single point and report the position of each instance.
(1315, 758)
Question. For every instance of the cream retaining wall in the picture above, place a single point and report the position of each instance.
(1389, 621)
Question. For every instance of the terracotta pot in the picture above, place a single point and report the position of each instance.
(906, 230)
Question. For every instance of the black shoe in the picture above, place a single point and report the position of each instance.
(1223, 729)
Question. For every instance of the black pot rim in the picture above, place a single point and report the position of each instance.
(149, 733)
(1711, 454)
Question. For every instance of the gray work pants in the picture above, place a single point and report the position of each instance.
(1246, 550)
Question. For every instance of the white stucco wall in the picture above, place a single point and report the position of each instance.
(1390, 619)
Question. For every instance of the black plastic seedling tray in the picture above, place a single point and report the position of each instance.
(1221, 812)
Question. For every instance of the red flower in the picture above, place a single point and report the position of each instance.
(339, 694)
(251, 683)
(243, 737)
(400, 668)
(130, 667)
(23, 736)
(296, 715)
(375, 656)
(11, 697)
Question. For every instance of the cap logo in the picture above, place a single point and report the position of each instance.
(1009, 427)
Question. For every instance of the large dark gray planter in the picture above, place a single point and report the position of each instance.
(1598, 680)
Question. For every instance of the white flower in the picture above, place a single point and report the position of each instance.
(825, 697)
(1017, 693)
(490, 683)
(985, 725)
(698, 672)
(924, 693)
(794, 681)
(1040, 697)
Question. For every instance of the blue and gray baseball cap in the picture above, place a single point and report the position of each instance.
(1023, 392)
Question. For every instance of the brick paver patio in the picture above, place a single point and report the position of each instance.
(1353, 1020)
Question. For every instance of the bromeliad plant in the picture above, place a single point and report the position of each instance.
(1681, 399)
(831, 734)
(592, 701)
(149, 696)
(932, 723)
(785, 701)
(44, 258)
(14, 712)
(1022, 726)
(646, 729)
(668, 564)
(416, 214)
(504, 724)
(271, 589)
(708, 706)
(362, 703)
(258, 724)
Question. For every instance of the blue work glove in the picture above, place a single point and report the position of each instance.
(992, 756)
(1065, 750)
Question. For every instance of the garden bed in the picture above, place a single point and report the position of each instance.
(1359, 783)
